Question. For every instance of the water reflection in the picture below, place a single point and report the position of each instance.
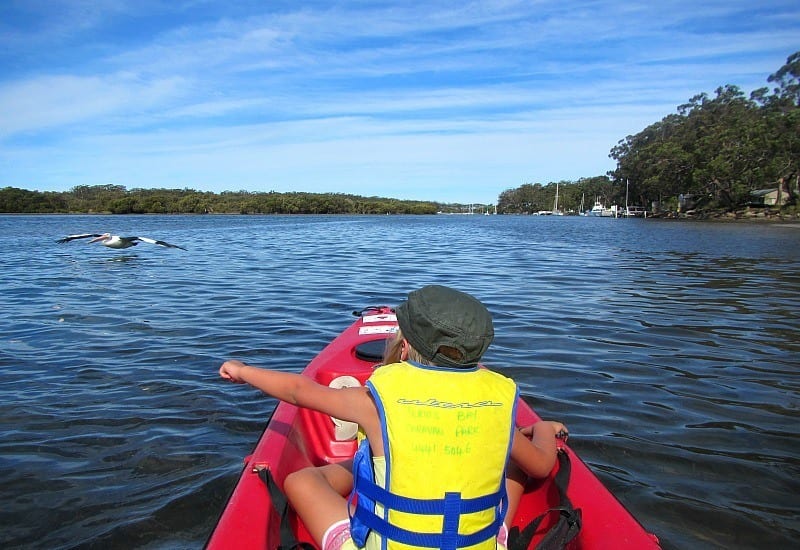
(124, 258)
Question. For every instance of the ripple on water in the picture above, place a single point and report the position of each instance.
(669, 349)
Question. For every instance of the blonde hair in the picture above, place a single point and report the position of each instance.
(394, 350)
(394, 347)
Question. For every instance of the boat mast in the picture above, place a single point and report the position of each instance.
(555, 204)
(627, 210)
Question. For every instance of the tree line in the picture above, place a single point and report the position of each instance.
(717, 150)
(116, 199)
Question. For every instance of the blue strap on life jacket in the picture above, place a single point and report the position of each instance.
(451, 507)
(362, 469)
(411, 505)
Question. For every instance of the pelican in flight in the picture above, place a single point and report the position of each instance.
(115, 241)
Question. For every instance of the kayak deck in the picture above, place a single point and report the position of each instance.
(296, 438)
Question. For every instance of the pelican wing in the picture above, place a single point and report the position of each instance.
(69, 238)
(160, 243)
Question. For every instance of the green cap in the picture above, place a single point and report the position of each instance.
(438, 316)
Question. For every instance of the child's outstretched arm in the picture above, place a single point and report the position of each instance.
(345, 403)
(534, 447)
(280, 385)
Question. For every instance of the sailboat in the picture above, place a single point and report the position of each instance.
(633, 211)
(555, 204)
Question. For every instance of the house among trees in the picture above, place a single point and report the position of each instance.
(768, 197)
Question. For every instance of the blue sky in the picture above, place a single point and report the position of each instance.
(446, 101)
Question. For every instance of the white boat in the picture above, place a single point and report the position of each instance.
(600, 211)
(635, 212)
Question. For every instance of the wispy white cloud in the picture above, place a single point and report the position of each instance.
(43, 103)
(436, 101)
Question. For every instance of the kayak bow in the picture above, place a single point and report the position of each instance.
(296, 438)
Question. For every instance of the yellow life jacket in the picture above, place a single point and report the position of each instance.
(447, 437)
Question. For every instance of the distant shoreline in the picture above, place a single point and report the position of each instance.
(739, 216)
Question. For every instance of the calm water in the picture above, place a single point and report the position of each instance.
(669, 348)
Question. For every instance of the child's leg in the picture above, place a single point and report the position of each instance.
(318, 495)
(515, 486)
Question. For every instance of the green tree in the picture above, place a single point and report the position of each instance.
(720, 147)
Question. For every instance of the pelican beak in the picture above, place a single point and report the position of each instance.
(100, 238)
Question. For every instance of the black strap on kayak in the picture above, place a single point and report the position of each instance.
(569, 519)
(281, 505)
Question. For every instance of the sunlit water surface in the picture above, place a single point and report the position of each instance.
(670, 349)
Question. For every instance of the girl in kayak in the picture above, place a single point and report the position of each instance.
(437, 433)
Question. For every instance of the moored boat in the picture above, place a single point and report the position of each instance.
(599, 210)
(635, 212)
(256, 516)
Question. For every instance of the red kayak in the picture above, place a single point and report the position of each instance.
(256, 516)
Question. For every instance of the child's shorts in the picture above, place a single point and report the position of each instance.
(337, 537)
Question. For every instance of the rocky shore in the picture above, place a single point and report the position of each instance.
(742, 214)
